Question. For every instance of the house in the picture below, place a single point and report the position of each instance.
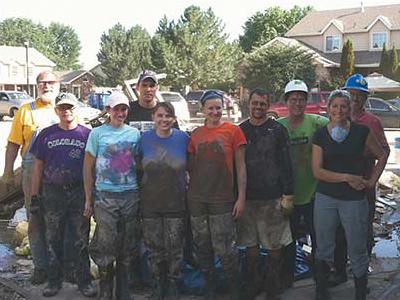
(325, 32)
(13, 68)
(77, 82)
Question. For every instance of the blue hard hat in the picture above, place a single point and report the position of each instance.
(356, 82)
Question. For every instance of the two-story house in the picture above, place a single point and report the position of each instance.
(13, 68)
(325, 32)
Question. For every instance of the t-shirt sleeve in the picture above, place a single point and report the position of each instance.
(92, 145)
(16, 132)
(238, 138)
(317, 138)
(322, 121)
(38, 149)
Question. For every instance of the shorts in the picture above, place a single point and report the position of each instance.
(263, 223)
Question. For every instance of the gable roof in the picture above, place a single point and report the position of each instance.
(18, 54)
(353, 19)
(362, 59)
(67, 77)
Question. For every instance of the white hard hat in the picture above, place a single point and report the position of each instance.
(296, 86)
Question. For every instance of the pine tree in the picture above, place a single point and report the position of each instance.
(384, 66)
(346, 60)
(394, 63)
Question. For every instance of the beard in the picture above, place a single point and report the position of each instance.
(49, 96)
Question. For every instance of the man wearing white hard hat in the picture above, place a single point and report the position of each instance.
(301, 128)
(111, 190)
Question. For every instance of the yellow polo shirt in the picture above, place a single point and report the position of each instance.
(26, 122)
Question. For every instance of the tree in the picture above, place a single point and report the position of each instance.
(346, 61)
(57, 42)
(394, 63)
(124, 53)
(272, 67)
(264, 26)
(384, 65)
(65, 46)
(194, 51)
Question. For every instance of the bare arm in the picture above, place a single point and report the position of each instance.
(329, 176)
(373, 147)
(89, 179)
(241, 181)
(37, 174)
(11, 155)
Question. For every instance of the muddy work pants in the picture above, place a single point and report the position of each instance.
(214, 234)
(117, 228)
(62, 205)
(164, 238)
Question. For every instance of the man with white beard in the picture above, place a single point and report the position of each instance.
(28, 121)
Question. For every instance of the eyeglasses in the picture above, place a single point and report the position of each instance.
(64, 107)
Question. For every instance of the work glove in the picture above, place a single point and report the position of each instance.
(287, 205)
(36, 204)
(8, 180)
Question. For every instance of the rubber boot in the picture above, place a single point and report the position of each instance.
(272, 280)
(321, 280)
(210, 286)
(122, 291)
(361, 287)
(252, 279)
(106, 283)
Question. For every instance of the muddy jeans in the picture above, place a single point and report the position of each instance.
(65, 205)
(36, 227)
(328, 214)
(214, 234)
(164, 238)
(117, 228)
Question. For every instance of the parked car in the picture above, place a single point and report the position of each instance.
(10, 101)
(193, 102)
(178, 102)
(388, 114)
(395, 102)
(316, 104)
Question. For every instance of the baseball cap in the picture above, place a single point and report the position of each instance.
(117, 98)
(146, 74)
(211, 94)
(66, 98)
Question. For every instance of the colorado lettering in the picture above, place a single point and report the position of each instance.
(66, 142)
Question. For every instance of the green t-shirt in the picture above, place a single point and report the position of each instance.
(301, 146)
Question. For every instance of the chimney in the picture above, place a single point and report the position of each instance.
(362, 10)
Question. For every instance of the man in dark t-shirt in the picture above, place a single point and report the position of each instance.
(147, 87)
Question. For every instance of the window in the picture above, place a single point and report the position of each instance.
(14, 70)
(378, 105)
(332, 43)
(378, 39)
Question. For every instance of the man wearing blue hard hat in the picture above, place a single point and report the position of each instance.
(357, 86)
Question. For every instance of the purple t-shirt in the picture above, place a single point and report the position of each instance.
(62, 152)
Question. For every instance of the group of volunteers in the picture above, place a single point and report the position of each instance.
(252, 186)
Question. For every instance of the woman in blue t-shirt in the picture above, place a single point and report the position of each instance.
(338, 162)
(163, 156)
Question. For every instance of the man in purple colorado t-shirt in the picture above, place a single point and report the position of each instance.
(57, 189)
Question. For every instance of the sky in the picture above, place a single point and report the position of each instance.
(92, 18)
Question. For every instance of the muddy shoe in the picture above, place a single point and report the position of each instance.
(88, 290)
(39, 276)
(51, 290)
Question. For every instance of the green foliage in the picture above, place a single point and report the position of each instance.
(272, 67)
(394, 63)
(124, 53)
(194, 51)
(57, 42)
(64, 46)
(346, 61)
(274, 21)
(384, 66)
